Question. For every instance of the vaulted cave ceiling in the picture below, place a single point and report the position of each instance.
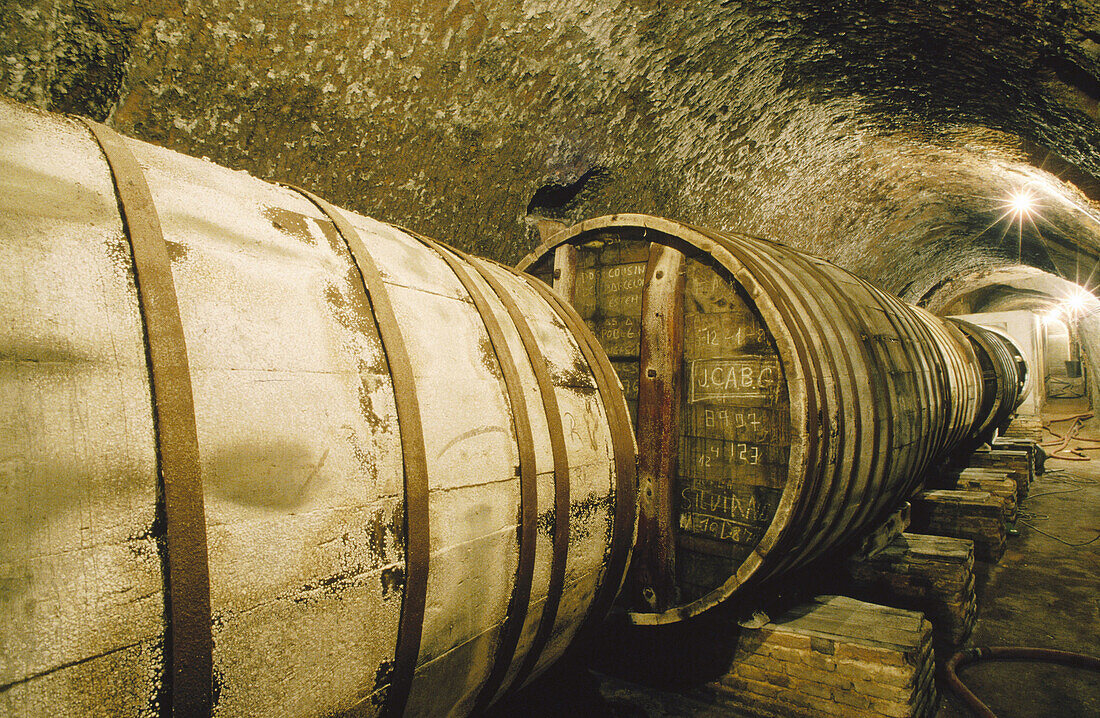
(885, 136)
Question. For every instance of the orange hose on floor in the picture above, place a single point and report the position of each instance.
(1068, 438)
(971, 655)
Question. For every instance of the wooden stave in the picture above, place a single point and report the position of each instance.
(811, 504)
(828, 359)
(695, 242)
(795, 315)
(815, 393)
(1023, 372)
(895, 464)
(1002, 389)
(876, 499)
(965, 378)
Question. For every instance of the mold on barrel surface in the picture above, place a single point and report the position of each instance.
(306, 458)
(782, 405)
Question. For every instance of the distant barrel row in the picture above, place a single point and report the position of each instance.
(264, 456)
(781, 404)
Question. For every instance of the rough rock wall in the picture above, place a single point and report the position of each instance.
(880, 135)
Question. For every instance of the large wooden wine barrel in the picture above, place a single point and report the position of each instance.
(1025, 379)
(782, 405)
(375, 475)
(964, 378)
(1004, 374)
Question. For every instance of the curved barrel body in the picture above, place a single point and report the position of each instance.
(1025, 380)
(964, 378)
(782, 405)
(375, 474)
(1004, 377)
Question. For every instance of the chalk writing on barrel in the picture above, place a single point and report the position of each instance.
(749, 378)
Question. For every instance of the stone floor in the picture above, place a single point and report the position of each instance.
(1043, 593)
(1046, 594)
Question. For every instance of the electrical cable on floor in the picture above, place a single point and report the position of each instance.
(1031, 515)
(970, 655)
(1050, 493)
(1025, 517)
(1063, 385)
(1071, 545)
(1067, 478)
(1082, 415)
(1052, 395)
(1076, 438)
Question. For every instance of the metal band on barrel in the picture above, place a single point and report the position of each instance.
(188, 600)
(789, 264)
(816, 396)
(556, 583)
(528, 478)
(417, 539)
(622, 442)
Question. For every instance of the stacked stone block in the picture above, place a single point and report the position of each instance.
(974, 515)
(931, 574)
(998, 483)
(1025, 426)
(834, 656)
(1017, 464)
(1035, 454)
(887, 531)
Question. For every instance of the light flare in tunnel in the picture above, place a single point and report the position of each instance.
(1076, 303)
(1021, 203)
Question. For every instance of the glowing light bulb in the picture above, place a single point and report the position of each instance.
(1076, 301)
(1021, 202)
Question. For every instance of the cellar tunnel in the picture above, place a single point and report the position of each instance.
(891, 139)
(945, 152)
